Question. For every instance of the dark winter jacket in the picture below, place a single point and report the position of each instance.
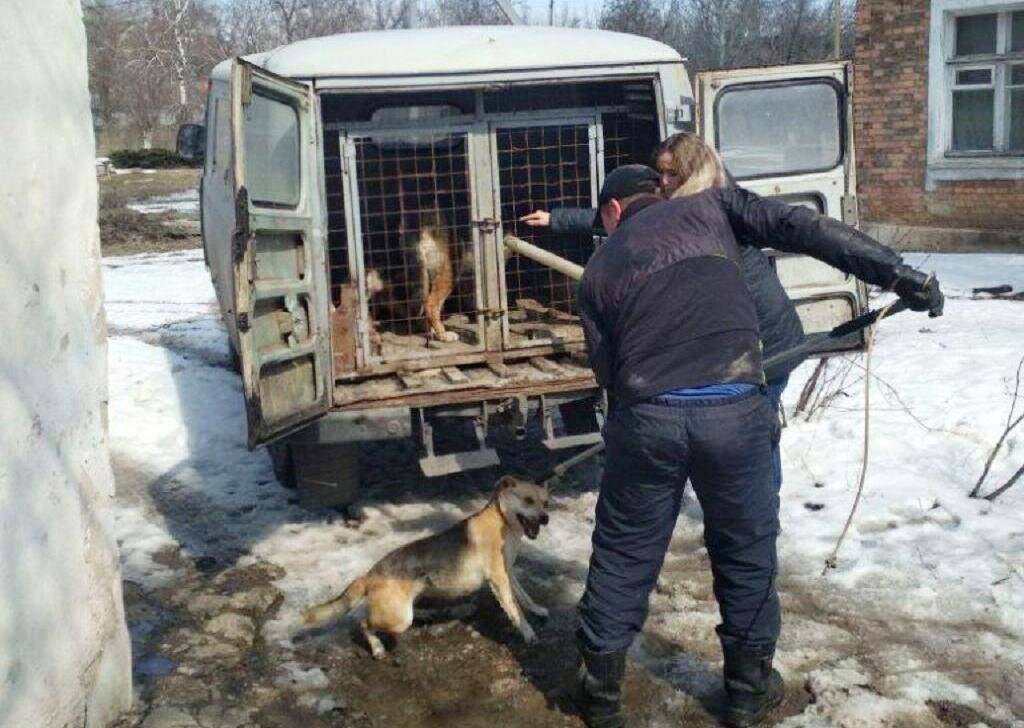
(664, 305)
(787, 228)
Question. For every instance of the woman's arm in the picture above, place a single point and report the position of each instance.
(575, 220)
(793, 229)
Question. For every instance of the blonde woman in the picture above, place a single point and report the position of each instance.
(672, 331)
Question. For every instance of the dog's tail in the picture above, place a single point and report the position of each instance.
(338, 606)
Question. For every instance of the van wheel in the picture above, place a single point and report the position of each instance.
(326, 475)
(284, 466)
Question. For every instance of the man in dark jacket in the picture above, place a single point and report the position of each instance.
(780, 327)
(672, 335)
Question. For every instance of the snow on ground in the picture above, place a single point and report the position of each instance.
(927, 602)
(183, 203)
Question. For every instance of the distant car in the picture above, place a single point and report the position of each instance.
(323, 157)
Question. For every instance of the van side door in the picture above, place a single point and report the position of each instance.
(277, 253)
(786, 132)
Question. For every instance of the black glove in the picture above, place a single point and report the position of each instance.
(918, 291)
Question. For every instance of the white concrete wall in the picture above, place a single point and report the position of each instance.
(64, 649)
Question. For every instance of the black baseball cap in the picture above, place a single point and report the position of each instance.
(629, 180)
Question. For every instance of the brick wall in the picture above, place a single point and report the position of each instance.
(890, 103)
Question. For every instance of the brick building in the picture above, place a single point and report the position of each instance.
(939, 122)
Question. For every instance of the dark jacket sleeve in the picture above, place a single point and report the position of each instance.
(576, 220)
(769, 223)
(598, 345)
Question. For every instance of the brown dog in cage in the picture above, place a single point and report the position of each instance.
(420, 289)
(432, 246)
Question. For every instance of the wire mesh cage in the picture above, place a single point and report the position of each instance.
(543, 167)
(415, 228)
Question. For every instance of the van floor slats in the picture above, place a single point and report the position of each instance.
(499, 368)
(547, 366)
(454, 375)
(410, 381)
(434, 386)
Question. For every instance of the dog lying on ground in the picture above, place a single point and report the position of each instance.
(454, 563)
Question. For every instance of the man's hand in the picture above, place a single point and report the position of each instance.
(918, 291)
(537, 218)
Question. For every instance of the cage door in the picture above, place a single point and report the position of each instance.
(416, 251)
(540, 166)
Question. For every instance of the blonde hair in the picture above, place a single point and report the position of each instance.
(694, 162)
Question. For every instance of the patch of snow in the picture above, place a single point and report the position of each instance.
(929, 581)
(186, 202)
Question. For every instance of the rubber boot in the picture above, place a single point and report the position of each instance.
(599, 694)
(753, 689)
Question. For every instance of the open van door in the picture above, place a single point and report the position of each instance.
(787, 132)
(277, 251)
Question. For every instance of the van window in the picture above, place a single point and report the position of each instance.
(767, 129)
(271, 152)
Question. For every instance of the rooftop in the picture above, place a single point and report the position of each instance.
(458, 50)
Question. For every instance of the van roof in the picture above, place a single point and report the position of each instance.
(457, 50)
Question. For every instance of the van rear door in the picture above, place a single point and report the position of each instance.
(277, 250)
(786, 132)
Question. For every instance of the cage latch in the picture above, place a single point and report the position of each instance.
(486, 225)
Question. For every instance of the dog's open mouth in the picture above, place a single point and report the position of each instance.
(530, 526)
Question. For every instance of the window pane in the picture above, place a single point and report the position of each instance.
(779, 129)
(271, 151)
(973, 117)
(1017, 39)
(1017, 120)
(975, 34)
(1017, 75)
(974, 76)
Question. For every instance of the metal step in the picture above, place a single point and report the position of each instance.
(457, 462)
(567, 441)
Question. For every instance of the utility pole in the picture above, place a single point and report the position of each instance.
(837, 19)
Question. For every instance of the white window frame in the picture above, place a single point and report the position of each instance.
(943, 163)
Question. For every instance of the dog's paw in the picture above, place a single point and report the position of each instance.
(448, 337)
(540, 611)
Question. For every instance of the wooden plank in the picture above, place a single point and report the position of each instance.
(343, 330)
(410, 381)
(453, 375)
(452, 396)
(547, 366)
(434, 361)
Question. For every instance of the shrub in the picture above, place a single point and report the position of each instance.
(148, 159)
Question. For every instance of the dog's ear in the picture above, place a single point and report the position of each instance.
(505, 482)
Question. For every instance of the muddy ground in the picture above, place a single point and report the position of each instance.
(200, 658)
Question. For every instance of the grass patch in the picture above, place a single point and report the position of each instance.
(125, 232)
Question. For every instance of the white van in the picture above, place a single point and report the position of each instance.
(320, 157)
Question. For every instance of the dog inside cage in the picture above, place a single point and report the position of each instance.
(415, 219)
(407, 214)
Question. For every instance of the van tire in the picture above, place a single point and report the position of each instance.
(281, 460)
(326, 475)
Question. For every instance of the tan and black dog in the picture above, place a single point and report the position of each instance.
(433, 250)
(454, 563)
